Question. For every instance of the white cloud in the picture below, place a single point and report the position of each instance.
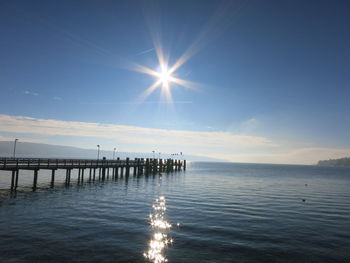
(129, 134)
(221, 145)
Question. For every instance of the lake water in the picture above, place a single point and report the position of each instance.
(218, 212)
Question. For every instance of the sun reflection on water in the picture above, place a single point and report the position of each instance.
(160, 239)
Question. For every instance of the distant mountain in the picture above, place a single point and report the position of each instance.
(335, 162)
(41, 150)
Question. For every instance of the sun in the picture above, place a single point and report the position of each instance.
(164, 76)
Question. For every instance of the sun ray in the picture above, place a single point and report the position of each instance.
(182, 60)
(149, 90)
(165, 92)
(185, 83)
(159, 51)
(143, 69)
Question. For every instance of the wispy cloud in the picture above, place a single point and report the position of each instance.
(27, 92)
(145, 51)
(160, 102)
(57, 98)
(249, 125)
(135, 102)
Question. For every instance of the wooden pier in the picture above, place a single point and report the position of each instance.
(94, 168)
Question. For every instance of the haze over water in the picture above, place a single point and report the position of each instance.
(226, 213)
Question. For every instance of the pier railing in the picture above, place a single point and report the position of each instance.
(50, 163)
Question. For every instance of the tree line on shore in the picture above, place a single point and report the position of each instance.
(335, 162)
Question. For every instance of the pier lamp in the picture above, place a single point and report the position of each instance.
(14, 148)
(153, 154)
(98, 151)
(114, 152)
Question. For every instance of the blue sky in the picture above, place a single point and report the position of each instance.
(273, 76)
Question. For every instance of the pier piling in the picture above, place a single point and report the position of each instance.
(16, 180)
(35, 180)
(13, 180)
(127, 167)
(52, 178)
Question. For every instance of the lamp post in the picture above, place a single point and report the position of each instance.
(14, 148)
(159, 155)
(114, 152)
(153, 154)
(98, 151)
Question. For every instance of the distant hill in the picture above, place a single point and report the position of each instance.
(41, 150)
(335, 162)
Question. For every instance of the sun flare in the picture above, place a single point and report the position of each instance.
(165, 77)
